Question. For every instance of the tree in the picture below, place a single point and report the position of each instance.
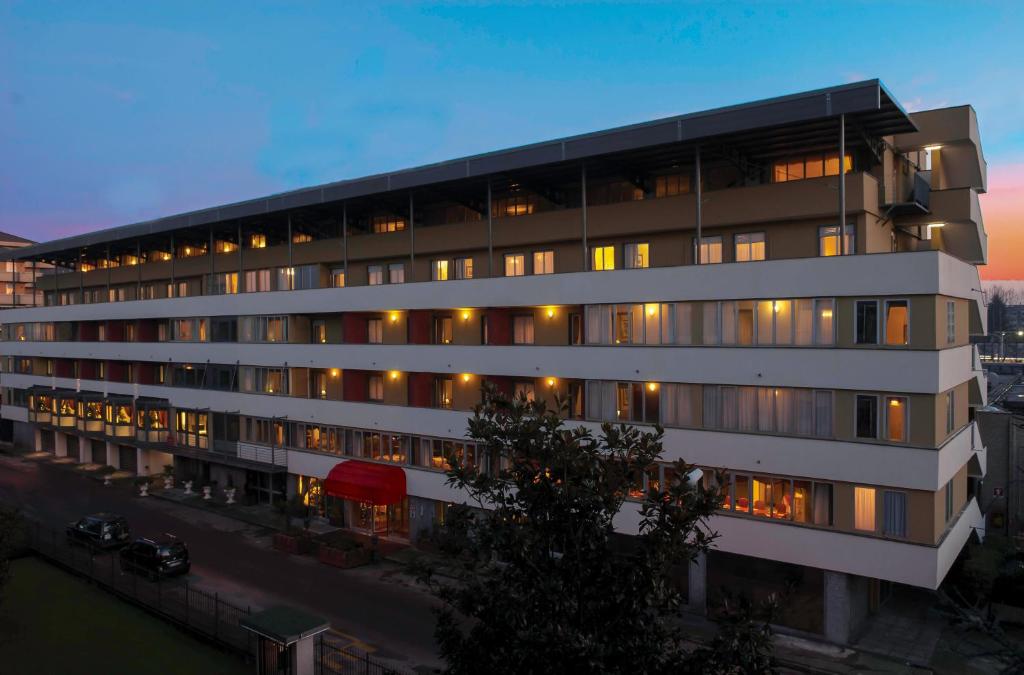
(544, 582)
(11, 537)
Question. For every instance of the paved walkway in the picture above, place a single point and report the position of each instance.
(905, 628)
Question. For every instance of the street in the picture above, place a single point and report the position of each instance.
(377, 607)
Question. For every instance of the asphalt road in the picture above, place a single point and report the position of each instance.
(378, 607)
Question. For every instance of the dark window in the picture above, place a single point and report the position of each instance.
(867, 417)
(867, 322)
(224, 329)
(575, 328)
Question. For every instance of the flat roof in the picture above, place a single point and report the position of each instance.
(868, 104)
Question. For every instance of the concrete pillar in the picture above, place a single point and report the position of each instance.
(60, 444)
(142, 462)
(112, 457)
(304, 657)
(846, 599)
(698, 592)
(38, 440)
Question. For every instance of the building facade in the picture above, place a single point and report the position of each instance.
(788, 287)
(18, 278)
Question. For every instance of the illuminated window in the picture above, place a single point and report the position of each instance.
(396, 273)
(224, 246)
(515, 264)
(669, 186)
(376, 388)
(375, 331)
(814, 165)
(463, 268)
(897, 324)
(543, 262)
(524, 390)
(374, 275)
(301, 238)
(864, 508)
(710, 250)
(522, 329)
(191, 250)
(382, 224)
(637, 256)
(896, 418)
(602, 258)
(828, 240)
(516, 204)
(338, 277)
(257, 241)
(749, 246)
(439, 270)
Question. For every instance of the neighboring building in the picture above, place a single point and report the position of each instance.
(687, 271)
(18, 279)
(1000, 433)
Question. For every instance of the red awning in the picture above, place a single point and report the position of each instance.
(366, 482)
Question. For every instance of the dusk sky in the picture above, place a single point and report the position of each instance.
(112, 113)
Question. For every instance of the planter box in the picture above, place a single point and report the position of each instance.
(286, 543)
(337, 557)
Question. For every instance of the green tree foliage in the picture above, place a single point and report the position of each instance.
(546, 585)
(11, 538)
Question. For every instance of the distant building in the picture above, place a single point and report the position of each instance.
(1000, 431)
(18, 278)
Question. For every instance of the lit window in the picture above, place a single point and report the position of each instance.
(338, 277)
(543, 262)
(374, 275)
(301, 237)
(669, 186)
(522, 329)
(602, 258)
(828, 240)
(375, 331)
(864, 508)
(439, 270)
(257, 241)
(463, 268)
(524, 390)
(396, 273)
(895, 419)
(376, 388)
(515, 264)
(750, 246)
(710, 250)
(223, 246)
(637, 256)
(383, 224)
(896, 322)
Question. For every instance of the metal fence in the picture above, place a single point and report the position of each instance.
(193, 609)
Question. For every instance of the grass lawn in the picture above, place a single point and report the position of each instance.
(54, 622)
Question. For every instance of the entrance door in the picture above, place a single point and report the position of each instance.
(127, 458)
(99, 452)
(73, 451)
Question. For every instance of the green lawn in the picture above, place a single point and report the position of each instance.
(54, 622)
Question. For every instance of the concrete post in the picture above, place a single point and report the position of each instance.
(697, 602)
(38, 440)
(846, 599)
(112, 456)
(142, 462)
(60, 444)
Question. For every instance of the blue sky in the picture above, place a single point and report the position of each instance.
(114, 112)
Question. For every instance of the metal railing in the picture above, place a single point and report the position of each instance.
(201, 612)
(334, 659)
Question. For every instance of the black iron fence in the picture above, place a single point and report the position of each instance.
(201, 612)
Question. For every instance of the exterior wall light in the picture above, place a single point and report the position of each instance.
(551, 312)
(335, 372)
(465, 315)
(393, 316)
(466, 377)
(551, 381)
(652, 386)
(393, 374)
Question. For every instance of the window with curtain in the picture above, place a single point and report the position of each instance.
(828, 240)
(602, 258)
(710, 250)
(515, 264)
(710, 332)
(637, 255)
(749, 246)
(895, 513)
(897, 322)
(543, 262)
(896, 418)
(823, 504)
(677, 404)
(396, 273)
(522, 329)
(824, 326)
(463, 268)
(864, 508)
(374, 275)
(439, 270)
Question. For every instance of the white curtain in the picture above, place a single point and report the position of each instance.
(784, 410)
(684, 323)
(822, 504)
(711, 409)
(765, 409)
(804, 404)
(823, 413)
(728, 323)
(710, 324)
(804, 321)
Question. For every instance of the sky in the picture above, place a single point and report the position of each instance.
(117, 112)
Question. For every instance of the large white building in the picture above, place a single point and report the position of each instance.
(711, 272)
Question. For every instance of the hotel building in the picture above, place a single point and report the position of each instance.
(787, 286)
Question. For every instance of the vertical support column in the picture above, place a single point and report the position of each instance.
(842, 185)
(142, 462)
(138, 264)
(699, 191)
(412, 240)
(583, 212)
(112, 457)
(490, 231)
(697, 600)
(344, 239)
(38, 447)
(174, 254)
(241, 267)
(60, 444)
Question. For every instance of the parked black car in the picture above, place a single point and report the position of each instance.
(160, 557)
(100, 530)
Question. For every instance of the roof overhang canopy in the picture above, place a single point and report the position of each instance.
(367, 482)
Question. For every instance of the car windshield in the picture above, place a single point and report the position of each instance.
(171, 550)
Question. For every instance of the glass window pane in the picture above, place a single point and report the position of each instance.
(824, 330)
(864, 508)
(897, 327)
(765, 314)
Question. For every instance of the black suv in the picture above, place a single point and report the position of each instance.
(100, 530)
(161, 557)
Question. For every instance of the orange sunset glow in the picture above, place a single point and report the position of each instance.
(1001, 207)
